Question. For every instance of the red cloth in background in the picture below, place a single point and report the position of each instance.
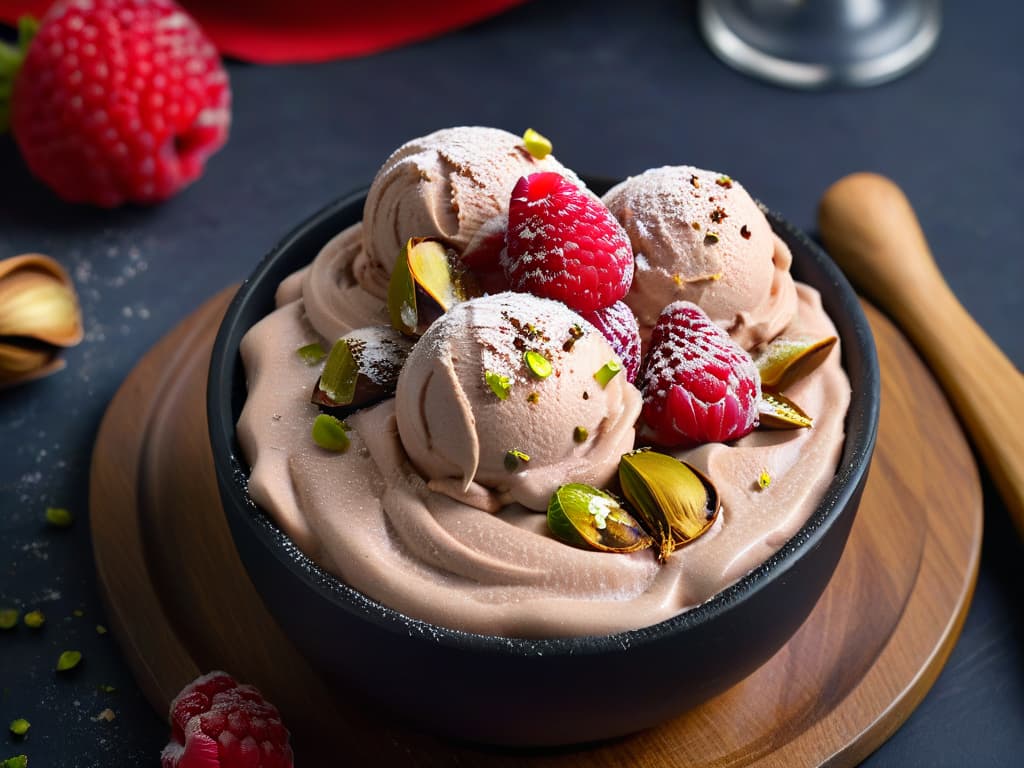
(279, 32)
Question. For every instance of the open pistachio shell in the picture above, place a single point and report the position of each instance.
(589, 518)
(39, 315)
(673, 501)
(37, 301)
(361, 369)
(785, 361)
(424, 285)
(776, 411)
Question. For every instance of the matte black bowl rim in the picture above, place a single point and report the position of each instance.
(226, 372)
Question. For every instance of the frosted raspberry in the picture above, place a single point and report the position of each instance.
(699, 386)
(217, 723)
(619, 326)
(119, 100)
(564, 244)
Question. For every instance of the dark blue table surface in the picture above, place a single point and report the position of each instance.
(619, 88)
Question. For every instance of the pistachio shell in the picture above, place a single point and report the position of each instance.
(37, 301)
(362, 368)
(424, 285)
(785, 361)
(588, 518)
(776, 411)
(674, 501)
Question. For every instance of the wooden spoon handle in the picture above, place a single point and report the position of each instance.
(870, 229)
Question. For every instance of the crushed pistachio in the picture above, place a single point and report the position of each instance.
(580, 434)
(499, 384)
(58, 517)
(20, 726)
(724, 181)
(34, 619)
(538, 365)
(330, 433)
(533, 398)
(311, 354)
(106, 688)
(18, 761)
(100, 629)
(68, 660)
(537, 145)
(514, 459)
(78, 613)
(711, 238)
(764, 479)
(575, 334)
(9, 618)
(607, 372)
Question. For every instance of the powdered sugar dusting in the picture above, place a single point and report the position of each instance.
(380, 352)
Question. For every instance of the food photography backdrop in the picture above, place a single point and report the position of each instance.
(317, 105)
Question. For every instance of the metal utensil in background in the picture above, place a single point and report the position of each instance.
(820, 43)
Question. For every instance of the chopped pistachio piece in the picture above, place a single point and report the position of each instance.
(9, 618)
(724, 181)
(516, 459)
(58, 517)
(68, 660)
(533, 398)
(711, 238)
(338, 381)
(100, 629)
(538, 365)
(580, 434)
(106, 688)
(586, 517)
(329, 433)
(78, 613)
(311, 354)
(607, 372)
(20, 726)
(764, 479)
(18, 761)
(675, 502)
(34, 619)
(499, 384)
(537, 145)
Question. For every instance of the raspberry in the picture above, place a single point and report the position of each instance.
(119, 100)
(699, 386)
(217, 723)
(564, 244)
(619, 326)
(482, 255)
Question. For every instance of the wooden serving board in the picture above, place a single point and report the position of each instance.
(180, 602)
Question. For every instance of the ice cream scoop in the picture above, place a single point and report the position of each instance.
(698, 236)
(509, 396)
(447, 185)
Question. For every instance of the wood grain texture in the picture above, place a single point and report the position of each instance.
(180, 601)
(870, 229)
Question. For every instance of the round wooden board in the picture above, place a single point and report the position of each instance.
(180, 602)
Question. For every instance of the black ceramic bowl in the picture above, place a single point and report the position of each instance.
(535, 692)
